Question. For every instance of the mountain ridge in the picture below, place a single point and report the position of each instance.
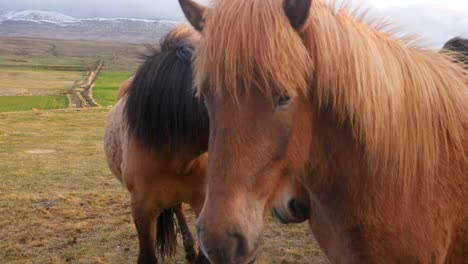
(40, 16)
(52, 24)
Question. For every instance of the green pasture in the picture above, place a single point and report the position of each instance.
(23, 103)
(107, 86)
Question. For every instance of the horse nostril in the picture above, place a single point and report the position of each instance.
(241, 244)
(299, 209)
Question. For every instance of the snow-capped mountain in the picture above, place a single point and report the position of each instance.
(50, 24)
(36, 16)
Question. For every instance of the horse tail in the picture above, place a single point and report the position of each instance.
(166, 234)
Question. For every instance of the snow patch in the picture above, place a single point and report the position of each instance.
(36, 16)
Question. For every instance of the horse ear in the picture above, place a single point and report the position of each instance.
(297, 12)
(193, 12)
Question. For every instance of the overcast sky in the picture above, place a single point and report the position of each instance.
(435, 20)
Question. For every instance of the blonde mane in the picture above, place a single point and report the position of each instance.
(407, 105)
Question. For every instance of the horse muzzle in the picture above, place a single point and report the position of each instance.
(229, 242)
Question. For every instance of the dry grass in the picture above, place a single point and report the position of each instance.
(24, 52)
(59, 203)
(36, 82)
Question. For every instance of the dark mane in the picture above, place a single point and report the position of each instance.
(161, 108)
(459, 45)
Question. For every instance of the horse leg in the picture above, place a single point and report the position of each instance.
(188, 240)
(201, 259)
(144, 217)
(197, 205)
(187, 237)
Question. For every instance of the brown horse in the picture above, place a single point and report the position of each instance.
(156, 141)
(460, 46)
(375, 126)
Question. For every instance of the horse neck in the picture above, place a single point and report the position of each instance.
(336, 160)
(339, 170)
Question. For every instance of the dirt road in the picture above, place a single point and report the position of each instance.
(80, 95)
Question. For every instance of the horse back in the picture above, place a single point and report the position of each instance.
(124, 88)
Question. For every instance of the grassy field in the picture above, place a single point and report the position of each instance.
(23, 52)
(60, 204)
(34, 67)
(45, 62)
(107, 86)
(36, 82)
(23, 103)
(58, 201)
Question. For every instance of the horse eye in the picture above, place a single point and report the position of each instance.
(284, 100)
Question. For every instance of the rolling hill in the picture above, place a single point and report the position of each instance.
(49, 24)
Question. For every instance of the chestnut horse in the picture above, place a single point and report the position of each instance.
(375, 126)
(156, 140)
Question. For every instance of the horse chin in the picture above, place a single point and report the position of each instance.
(233, 240)
(250, 259)
(254, 256)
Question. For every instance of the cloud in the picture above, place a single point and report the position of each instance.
(434, 21)
(435, 24)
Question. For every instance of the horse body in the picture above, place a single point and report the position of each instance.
(375, 127)
(151, 156)
(174, 177)
(156, 180)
